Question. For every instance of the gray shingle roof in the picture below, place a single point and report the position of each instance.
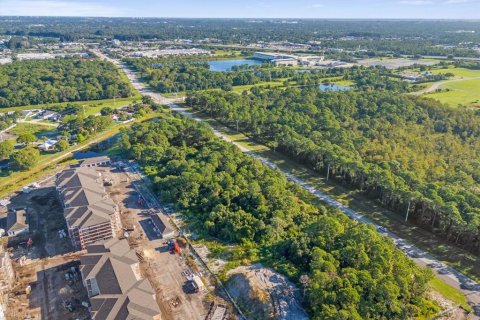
(94, 160)
(16, 220)
(123, 294)
(86, 202)
(162, 223)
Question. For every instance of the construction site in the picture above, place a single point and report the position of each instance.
(182, 285)
(50, 274)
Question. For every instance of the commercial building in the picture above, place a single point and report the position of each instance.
(267, 56)
(290, 62)
(111, 274)
(17, 223)
(90, 213)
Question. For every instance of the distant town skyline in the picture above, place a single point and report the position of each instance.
(348, 9)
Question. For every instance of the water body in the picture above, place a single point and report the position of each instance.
(334, 87)
(226, 65)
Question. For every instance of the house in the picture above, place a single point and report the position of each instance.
(95, 162)
(48, 145)
(160, 221)
(17, 223)
(111, 274)
(90, 213)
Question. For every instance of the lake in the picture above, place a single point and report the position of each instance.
(226, 65)
(334, 87)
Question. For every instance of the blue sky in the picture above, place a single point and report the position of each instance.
(425, 9)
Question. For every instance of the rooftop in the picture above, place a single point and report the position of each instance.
(122, 292)
(162, 223)
(86, 201)
(94, 160)
(16, 220)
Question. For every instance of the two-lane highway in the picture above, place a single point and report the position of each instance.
(470, 288)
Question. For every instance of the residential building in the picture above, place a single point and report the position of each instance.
(90, 213)
(48, 145)
(111, 274)
(17, 223)
(162, 224)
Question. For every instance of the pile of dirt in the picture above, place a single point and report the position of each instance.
(264, 294)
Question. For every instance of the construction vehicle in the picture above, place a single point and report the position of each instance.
(173, 247)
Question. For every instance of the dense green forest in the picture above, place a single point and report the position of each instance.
(377, 37)
(355, 272)
(412, 154)
(59, 80)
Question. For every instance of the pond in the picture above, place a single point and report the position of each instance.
(334, 87)
(226, 65)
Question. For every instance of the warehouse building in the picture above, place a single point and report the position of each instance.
(111, 274)
(90, 213)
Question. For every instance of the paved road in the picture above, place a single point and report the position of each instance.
(438, 85)
(5, 130)
(470, 288)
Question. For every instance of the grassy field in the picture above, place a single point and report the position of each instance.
(458, 72)
(461, 93)
(88, 104)
(450, 293)
(37, 129)
(461, 90)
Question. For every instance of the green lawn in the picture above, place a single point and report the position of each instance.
(459, 72)
(94, 108)
(92, 103)
(466, 93)
(450, 293)
(37, 129)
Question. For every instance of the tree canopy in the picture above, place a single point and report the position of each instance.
(355, 272)
(59, 80)
(407, 152)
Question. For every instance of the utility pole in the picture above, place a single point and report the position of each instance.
(408, 210)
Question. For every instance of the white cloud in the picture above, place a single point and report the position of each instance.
(416, 2)
(56, 8)
(315, 6)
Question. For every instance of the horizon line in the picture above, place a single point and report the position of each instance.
(247, 18)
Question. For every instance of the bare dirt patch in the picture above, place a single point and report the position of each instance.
(265, 294)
